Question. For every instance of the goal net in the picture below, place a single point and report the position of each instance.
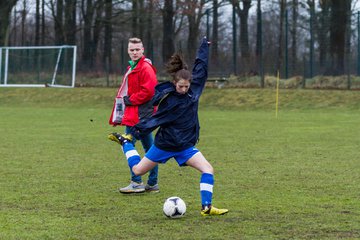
(40, 66)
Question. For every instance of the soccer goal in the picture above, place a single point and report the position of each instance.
(40, 66)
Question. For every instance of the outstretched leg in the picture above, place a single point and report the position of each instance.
(133, 159)
(137, 165)
(136, 185)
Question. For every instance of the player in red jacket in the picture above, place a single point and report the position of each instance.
(132, 104)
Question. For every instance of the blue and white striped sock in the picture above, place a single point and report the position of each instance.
(206, 189)
(131, 154)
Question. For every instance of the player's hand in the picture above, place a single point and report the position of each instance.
(127, 101)
(208, 42)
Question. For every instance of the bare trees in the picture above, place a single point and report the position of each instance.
(338, 22)
(194, 11)
(294, 33)
(320, 31)
(168, 13)
(69, 25)
(215, 33)
(108, 34)
(331, 25)
(282, 7)
(243, 13)
(5, 11)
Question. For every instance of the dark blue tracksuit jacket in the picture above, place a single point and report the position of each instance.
(177, 114)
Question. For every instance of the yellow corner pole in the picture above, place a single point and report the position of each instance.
(277, 94)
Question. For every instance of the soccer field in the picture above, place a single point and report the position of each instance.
(291, 177)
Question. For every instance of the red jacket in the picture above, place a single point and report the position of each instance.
(139, 85)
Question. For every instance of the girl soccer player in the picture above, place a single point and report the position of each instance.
(177, 119)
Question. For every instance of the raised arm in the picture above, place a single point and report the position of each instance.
(200, 69)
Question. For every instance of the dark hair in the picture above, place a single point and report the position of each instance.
(177, 68)
(135, 40)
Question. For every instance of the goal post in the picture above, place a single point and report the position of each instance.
(38, 66)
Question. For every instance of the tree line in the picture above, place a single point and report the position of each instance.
(248, 36)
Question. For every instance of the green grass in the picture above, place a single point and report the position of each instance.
(291, 177)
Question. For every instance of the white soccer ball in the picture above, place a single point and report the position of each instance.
(174, 207)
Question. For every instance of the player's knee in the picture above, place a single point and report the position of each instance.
(209, 169)
(137, 171)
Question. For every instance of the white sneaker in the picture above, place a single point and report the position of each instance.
(133, 187)
(154, 188)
